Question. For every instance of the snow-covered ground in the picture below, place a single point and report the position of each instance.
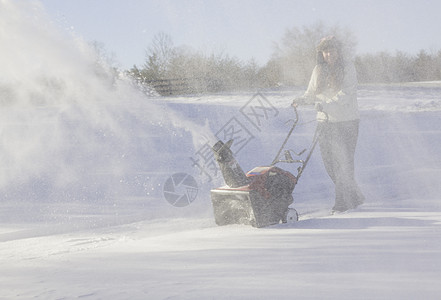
(85, 213)
(132, 245)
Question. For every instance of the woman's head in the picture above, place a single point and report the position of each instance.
(329, 51)
(330, 63)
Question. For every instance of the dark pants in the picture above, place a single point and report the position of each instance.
(337, 146)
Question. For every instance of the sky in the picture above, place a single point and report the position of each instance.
(245, 29)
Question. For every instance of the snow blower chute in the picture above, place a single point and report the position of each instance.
(262, 196)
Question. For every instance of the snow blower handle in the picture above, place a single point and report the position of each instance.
(276, 159)
(317, 133)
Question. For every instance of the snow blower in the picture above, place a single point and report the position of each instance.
(262, 196)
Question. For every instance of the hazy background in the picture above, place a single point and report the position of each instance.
(246, 28)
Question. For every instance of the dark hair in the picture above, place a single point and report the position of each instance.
(329, 76)
(329, 42)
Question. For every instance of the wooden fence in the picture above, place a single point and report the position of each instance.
(184, 86)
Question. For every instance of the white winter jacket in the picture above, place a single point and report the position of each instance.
(339, 106)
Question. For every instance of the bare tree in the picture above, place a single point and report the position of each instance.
(296, 53)
(159, 56)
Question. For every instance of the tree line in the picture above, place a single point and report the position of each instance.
(384, 67)
(191, 71)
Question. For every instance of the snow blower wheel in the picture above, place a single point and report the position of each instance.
(292, 215)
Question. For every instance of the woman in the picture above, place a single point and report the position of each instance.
(333, 90)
